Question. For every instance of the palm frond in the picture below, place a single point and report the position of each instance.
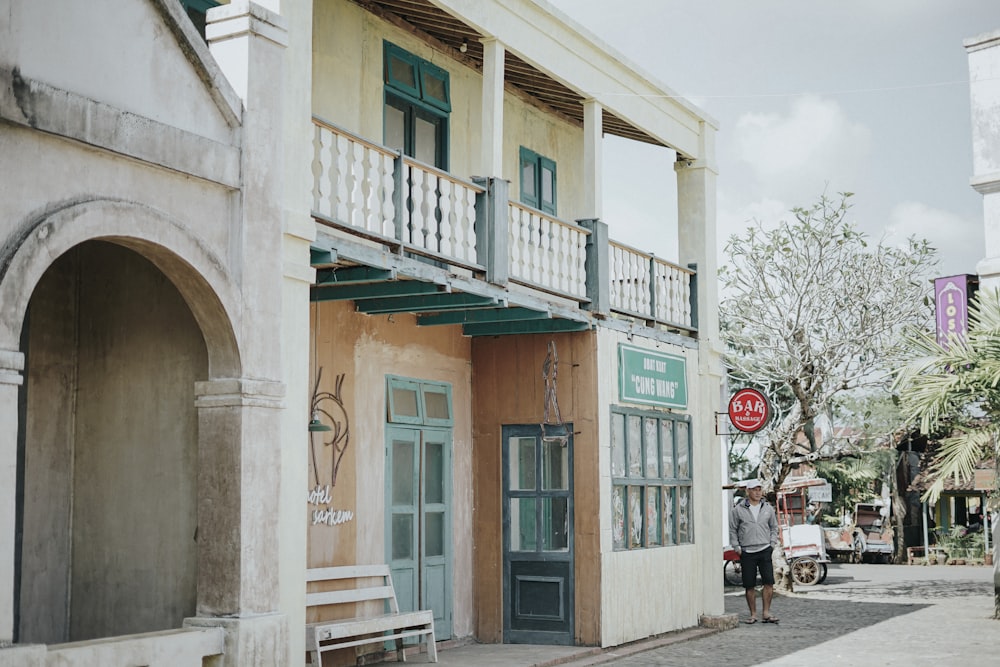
(957, 458)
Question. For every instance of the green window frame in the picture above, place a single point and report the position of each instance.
(538, 181)
(419, 402)
(417, 79)
(651, 479)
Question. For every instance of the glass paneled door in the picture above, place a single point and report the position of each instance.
(538, 535)
(418, 520)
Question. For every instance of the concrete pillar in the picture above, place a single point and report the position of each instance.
(240, 420)
(491, 155)
(11, 367)
(593, 160)
(248, 42)
(239, 475)
(696, 230)
(696, 207)
(984, 89)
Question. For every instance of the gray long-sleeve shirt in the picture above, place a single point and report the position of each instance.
(751, 534)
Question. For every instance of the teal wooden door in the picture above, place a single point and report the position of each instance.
(538, 535)
(418, 520)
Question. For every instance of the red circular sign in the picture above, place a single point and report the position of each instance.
(749, 410)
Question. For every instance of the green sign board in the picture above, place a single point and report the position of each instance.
(651, 377)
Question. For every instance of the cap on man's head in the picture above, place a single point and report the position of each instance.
(753, 484)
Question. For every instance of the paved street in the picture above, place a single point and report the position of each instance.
(886, 615)
(862, 614)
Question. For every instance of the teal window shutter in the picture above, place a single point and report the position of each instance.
(547, 185)
(538, 181)
(529, 177)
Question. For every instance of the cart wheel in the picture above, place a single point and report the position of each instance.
(822, 577)
(806, 571)
(733, 573)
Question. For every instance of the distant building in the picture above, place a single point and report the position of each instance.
(984, 84)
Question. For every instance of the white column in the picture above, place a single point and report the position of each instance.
(696, 229)
(491, 153)
(593, 161)
(984, 90)
(11, 366)
(697, 244)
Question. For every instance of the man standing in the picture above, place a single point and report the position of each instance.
(753, 532)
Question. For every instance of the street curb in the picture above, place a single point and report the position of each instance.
(601, 656)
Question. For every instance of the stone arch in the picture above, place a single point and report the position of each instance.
(199, 275)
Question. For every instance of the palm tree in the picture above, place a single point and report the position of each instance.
(955, 389)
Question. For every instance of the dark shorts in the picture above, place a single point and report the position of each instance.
(759, 561)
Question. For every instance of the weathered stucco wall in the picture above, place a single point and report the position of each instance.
(348, 90)
(508, 389)
(366, 349)
(129, 131)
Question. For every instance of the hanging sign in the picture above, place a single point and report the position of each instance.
(951, 306)
(749, 410)
(651, 377)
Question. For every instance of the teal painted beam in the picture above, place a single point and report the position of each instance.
(425, 303)
(322, 256)
(483, 315)
(524, 327)
(354, 274)
(372, 290)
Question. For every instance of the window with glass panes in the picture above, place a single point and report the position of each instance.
(417, 105)
(651, 499)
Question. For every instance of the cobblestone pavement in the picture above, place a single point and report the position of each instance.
(862, 614)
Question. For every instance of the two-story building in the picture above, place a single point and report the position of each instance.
(334, 286)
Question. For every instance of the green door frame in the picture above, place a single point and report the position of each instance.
(418, 510)
(538, 583)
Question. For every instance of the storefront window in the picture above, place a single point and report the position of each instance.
(651, 497)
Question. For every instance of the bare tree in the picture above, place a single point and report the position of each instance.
(811, 310)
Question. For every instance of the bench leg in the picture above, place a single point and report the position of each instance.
(432, 653)
(400, 651)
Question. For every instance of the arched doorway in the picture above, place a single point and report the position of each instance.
(107, 450)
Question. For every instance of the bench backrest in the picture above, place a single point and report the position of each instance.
(364, 590)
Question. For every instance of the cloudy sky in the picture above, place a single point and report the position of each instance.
(867, 96)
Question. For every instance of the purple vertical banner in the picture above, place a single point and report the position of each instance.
(951, 305)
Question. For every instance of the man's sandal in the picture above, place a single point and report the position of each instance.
(771, 619)
(751, 620)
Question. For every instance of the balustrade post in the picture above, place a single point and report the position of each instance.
(652, 287)
(399, 197)
(597, 267)
(492, 231)
(693, 296)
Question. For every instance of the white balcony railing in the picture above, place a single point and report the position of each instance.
(353, 181)
(377, 191)
(441, 215)
(546, 252)
(644, 286)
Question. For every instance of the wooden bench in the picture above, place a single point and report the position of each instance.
(372, 583)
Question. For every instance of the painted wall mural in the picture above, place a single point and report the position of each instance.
(329, 428)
